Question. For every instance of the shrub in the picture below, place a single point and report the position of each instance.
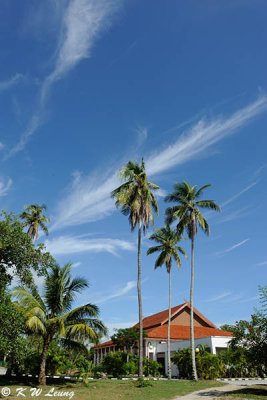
(114, 363)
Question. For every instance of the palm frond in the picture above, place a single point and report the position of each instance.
(88, 310)
(199, 192)
(154, 249)
(209, 204)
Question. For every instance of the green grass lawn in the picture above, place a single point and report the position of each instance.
(119, 390)
(257, 392)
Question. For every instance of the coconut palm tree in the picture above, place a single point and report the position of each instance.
(136, 199)
(187, 212)
(51, 316)
(169, 250)
(34, 217)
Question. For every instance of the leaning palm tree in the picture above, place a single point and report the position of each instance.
(187, 211)
(169, 249)
(136, 199)
(34, 217)
(51, 317)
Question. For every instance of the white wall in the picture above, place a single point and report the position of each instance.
(211, 341)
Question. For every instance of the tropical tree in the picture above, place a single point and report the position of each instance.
(136, 199)
(34, 217)
(127, 338)
(51, 317)
(19, 257)
(169, 250)
(187, 212)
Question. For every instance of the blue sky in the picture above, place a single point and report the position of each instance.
(86, 85)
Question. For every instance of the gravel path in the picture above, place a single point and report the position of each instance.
(209, 394)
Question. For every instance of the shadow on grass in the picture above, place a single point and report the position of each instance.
(248, 390)
(33, 382)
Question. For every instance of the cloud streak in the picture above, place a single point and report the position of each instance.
(218, 297)
(82, 24)
(121, 292)
(235, 246)
(89, 196)
(239, 194)
(9, 83)
(74, 244)
(202, 136)
(5, 185)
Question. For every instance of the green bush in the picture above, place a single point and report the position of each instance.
(209, 366)
(116, 364)
(151, 367)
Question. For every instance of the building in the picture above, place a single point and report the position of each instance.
(156, 325)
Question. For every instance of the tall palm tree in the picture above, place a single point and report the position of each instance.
(187, 211)
(51, 317)
(169, 250)
(136, 199)
(34, 217)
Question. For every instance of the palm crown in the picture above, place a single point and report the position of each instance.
(168, 248)
(51, 317)
(188, 209)
(135, 196)
(34, 217)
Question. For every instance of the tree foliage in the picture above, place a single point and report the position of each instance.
(51, 317)
(18, 255)
(33, 216)
(12, 325)
(127, 338)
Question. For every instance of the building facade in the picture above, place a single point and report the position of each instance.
(156, 325)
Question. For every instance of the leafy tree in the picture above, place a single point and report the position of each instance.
(127, 338)
(12, 326)
(51, 317)
(209, 366)
(187, 212)
(34, 217)
(251, 336)
(18, 255)
(136, 199)
(227, 328)
(169, 250)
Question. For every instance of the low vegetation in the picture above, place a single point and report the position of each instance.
(123, 390)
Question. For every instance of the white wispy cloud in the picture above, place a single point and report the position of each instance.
(5, 184)
(239, 194)
(9, 83)
(218, 297)
(88, 198)
(75, 265)
(119, 293)
(261, 263)
(201, 136)
(235, 246)
(82, 24)
(75, 244)
(113, 326)
(239, 213)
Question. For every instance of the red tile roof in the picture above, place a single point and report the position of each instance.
(182, 332)
(157, 319)
(108, 343)
(178, 332)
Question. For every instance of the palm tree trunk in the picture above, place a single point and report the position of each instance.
(30, 232)
(169, 330)
(42, 377)
(192, 338)
(140, 351)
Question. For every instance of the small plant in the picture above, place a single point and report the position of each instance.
(143, 383)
